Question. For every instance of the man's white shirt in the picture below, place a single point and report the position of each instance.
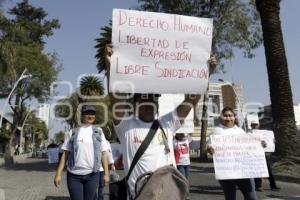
(132, 132)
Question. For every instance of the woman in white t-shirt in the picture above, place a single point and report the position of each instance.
(228, 127)
(85, 153)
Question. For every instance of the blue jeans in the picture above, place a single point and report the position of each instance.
(82, 187)
(245, 185)
(184, 170)
(100, 188)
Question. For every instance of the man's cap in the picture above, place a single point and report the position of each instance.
(86, 108)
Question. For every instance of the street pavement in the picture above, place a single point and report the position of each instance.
(32, 179)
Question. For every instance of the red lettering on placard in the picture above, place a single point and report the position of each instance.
(122, 17)
(132, 69)
(182, 73)
(145, 41)
(166, 55)
(181, 45)
(141, 21)
(179, 26)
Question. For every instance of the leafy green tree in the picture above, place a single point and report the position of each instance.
(58, 137)
(68, 112)
(34, 21)
(22, 44)
(4, 135)
(284, 125)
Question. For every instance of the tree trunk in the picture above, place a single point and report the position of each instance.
(8, 155)
(203, 150)
(9, 159)
(284, 125)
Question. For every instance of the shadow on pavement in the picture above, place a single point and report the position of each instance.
(283, 197)
(202, 169)
(35, 165)
(213, 190)
(57, 198)
(288, 179)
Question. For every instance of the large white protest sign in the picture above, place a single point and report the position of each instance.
(159, 53)
(268, 137)
(168, 103)
(238, 156)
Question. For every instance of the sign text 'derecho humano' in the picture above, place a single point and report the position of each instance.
(159, 53)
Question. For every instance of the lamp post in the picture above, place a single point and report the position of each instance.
(22, 128)
(237, 103)
(23, 76)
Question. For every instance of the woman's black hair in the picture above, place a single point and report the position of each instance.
(227, 109)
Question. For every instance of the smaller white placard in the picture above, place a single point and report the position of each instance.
(268, 137)
(238, 156)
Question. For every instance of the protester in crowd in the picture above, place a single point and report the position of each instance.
(182, 153)
(110, 161)
(258, 181)
(84, 149)
(117, 155)
(228, 127)
(132, 129)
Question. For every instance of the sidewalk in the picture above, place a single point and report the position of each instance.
(17, 158)
(204, 186)
(32, 179)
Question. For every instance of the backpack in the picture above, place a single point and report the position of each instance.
(164, 183)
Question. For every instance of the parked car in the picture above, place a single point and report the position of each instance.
(38, 153)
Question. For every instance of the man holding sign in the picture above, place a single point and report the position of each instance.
(146, 62)
(132, 129)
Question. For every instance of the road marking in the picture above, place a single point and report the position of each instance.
(2, 194)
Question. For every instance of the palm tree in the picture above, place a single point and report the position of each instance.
(91, 86)
(102, 41)
(280, 88)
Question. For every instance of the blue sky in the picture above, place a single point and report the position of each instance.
(81, 22)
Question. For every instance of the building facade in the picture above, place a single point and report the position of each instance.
(44, 113)
(220, 95)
